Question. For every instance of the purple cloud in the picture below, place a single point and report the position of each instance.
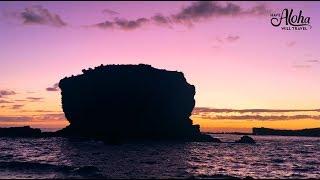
(15, 118)
(17, 106)
(55, 87)
(202, 10)
(41, 16)
(34, 99)
(5, 102)
(231, 38)
(189, 15)
(291, 43)
(109, 12)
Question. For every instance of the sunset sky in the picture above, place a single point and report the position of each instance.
(245, 70)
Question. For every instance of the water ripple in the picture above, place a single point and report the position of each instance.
(271, 157)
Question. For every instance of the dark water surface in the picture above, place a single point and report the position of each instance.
(271, 157)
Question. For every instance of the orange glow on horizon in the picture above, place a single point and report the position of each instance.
(208, 125)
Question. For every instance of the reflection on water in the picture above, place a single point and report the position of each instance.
(271, 157)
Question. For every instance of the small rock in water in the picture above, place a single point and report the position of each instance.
(246, 139)
(208, 138)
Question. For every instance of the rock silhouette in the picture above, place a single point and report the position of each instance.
(25, 131)
(312, 132)
(246, 139)
(123, 102)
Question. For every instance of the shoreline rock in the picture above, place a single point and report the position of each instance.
(27, 132)
(24, 131)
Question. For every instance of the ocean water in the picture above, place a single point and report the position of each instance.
(271, 157)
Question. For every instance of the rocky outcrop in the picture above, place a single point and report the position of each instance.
(25, 131)
(123, 102)
(246, 140)
(313, 132)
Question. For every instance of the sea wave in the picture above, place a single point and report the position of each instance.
(271, 157)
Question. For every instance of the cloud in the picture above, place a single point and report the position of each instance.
(218, 41)
(15, 118)
(130, 24)
(105, 25)
(313, 61)
(161, 20)
(20, 100)
(202, 10)
(231, 38)
(43, 117)
(195, 12)
(41, 111)
(255, 114)
(44, 111)
(198, 110)
(109, 12)
(308, 64)
(123, 24)
(7, 93)
(37, 15)
(258, 10)
(31, 92)
(263, 118)
(47, 117)
(301, 66)
(291, 43)
(34, 99)
(4, 101)
(16, 106)
(55, 87)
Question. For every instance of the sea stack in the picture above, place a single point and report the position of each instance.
(126, 102)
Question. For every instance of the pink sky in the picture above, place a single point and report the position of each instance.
(234, 61)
